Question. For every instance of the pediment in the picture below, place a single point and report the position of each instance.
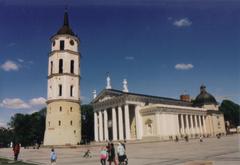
(107, 94)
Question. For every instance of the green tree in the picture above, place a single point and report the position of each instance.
(87, 122)
(231, 112)
(6, 137)
(28, 129)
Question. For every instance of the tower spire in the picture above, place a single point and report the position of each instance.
(66, 22)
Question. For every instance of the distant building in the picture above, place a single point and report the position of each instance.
(63, 121)
(120, 115)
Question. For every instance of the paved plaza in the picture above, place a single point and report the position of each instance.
(216, 151)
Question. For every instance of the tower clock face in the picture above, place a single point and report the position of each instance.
(71, 42)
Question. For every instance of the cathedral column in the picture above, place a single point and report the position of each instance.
(196, 124)
(114, 124)
(120, 123)
(187, 124)
(138, 122)
(127, 122)
(182, 125)
(100, 126)
(200, 127)
(95, 126)
(204, 125)
(192, 126)
(105, 124)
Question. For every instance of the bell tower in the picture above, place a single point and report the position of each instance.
(63, 119)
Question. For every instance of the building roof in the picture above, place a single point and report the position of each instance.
(147, 98)
(204, 98)
(66, 29)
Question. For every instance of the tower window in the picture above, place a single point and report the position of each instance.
(72, 66)
(61, 45)
(60, 109)
(71, 123)
(70, 109)
(74, 131)
(53, 43)
(49, 123)
(61, 66)
(71, 90)
(59, 123)
(51, 70)
(60, 90)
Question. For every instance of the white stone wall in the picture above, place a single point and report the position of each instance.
(67, 57)
(66, 82)
(66, 39)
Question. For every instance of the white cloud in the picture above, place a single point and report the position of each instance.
(184, 22)
(38, 101)
(2, 124)
(20, 60)
(14, 103)
(183, 66)
(10, 65)
(129, 58)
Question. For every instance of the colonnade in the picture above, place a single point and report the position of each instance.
(190, 124)
(119, 123)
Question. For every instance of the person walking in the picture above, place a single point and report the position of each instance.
(121, 153)
(53, 157)
(103, 155)
(111, 156)
(16, 151)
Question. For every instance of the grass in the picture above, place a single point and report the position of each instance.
(11, 162)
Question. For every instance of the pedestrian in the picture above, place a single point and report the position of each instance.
(201, 138)
(53, 157)
(16, 151)
(176, 139)
(103, 155)
(111, 156)
(121, 153)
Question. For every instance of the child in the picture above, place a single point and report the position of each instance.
(103, 155)
(53, 157)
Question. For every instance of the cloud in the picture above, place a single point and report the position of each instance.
(183, 66)
(2, 124)
(129, 58)
(10, 65)
(38, 101)
(20, 60)
(184, 22)
(14, 103)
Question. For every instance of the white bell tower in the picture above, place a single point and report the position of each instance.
(63, 119)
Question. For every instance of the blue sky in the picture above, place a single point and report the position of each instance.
(162, 48)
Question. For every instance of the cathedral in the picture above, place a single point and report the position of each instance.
(123, 115)
(118, 114)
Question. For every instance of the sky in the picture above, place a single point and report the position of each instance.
(163, 48)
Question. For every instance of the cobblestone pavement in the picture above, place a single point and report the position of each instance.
(224, 151)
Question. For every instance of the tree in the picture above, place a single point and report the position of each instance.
(231, 112)
(28, 129)
(6, 137)
(87, 122)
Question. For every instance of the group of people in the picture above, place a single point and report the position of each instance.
(108, 153)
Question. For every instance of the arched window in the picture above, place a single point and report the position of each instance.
(72, 66)
(61, 44)
(70, 109)
(71, 90)
(59, 123)
(60, 66)
(60, 109)
(60, 90)
(49, 123)
(71, 123)
(51, 70)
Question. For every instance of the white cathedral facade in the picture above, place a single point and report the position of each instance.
(122, 115)
(63, 119)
